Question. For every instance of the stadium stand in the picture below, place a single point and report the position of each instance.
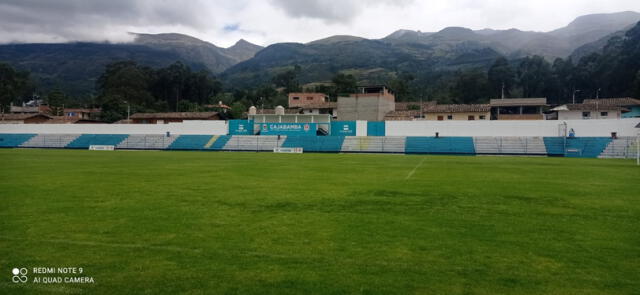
(442, 145)
(315, 143)
(363, 144)
(153, 142)
(218, 143)
(190, 142)
(510, 145)
(50, 140)
(86, 140)
(584, 147)
(580, 147)
(14, 140)
(253, 143)
(620, 148)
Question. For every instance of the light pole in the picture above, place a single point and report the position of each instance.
(128, 112)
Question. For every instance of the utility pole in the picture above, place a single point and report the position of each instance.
(502, 89)
(574, 95)
(598, 102)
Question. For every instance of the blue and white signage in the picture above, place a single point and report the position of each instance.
(288, 128)
(343, 128)
(240, 127)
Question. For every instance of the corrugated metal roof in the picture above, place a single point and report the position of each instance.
(621, 102)
(459, 108)
(513, 102)
(175, 115)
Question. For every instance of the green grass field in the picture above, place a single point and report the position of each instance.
(249, 223)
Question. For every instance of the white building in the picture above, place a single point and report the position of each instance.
(588, 112)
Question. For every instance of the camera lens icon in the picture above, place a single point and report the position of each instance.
(19, 275)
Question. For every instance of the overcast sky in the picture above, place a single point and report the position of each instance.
(269, 21)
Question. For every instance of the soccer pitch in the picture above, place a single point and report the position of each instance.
(261, 223)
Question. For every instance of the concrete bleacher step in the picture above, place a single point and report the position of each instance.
(620, 148)
(510, 145)
(253, 143)
(147, 141)
(50, 140)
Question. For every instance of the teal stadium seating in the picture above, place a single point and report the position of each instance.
(315, 143)
(9, 140)
(442, 145)
(190, 142)
(86, 140)
(578, 147)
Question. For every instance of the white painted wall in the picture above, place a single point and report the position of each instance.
(624, 127)
(577, 115)
(583, 128)
(187, 127)
(361, 128)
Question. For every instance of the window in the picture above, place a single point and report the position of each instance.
(604, 114)
(471, 118)
(586, 115)
(309, 97)
(450, 117)
(440, 118)
(296, 98)
(483, 117)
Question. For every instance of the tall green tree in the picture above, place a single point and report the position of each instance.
(535, 77)
(56, 100)
(15, 86)
(401, 86)
(288, 80)
(470, 86)
(501, 78)
(345, 84)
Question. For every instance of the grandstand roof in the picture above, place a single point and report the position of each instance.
(175, 115)
(514, 102)
(625, 101)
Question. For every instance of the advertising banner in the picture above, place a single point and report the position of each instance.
(288, 128)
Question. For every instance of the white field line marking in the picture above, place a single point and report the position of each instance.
(113, 245)
(414, 169)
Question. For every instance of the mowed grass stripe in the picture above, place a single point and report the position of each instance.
(321, 223)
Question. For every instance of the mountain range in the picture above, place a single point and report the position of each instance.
(75, 66)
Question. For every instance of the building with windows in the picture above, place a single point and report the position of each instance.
(631, 104)
(587, 111)
(458, 112)
(518, 108)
